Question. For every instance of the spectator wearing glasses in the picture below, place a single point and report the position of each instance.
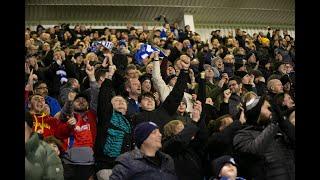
(235, 87)
(41, 88)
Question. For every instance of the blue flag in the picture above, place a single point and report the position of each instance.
(145, 51)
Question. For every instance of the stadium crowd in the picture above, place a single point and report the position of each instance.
(158, 104)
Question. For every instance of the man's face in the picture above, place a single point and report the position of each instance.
(96, 35)
(209, 74)
(246, 79)
(186, 43)
(135, 87)
(170, 71)
(119, 104)
(146, 86)
(288, 101)
(265, 113)
(277, 86)
(37, 104)
(228, 170)
(41, 90)
(282, 69)
(79, 60)
(179, 45)
(156, 41)
(147, 103)
(182, 107)
(228, 59)
(131, 73)
(57, 56)
(215, 44)
(233, 86)
(46, 47)
(219, 64)
(80, 104)
(154, 140)
(230, 41)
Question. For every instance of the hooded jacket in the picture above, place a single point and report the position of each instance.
(41, 162)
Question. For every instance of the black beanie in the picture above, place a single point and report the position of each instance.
(253, 109)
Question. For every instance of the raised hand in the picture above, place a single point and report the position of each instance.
(209, 101)
(185, 62)
(226, 95)
(89, 69)
(197, 109)
(72, 121)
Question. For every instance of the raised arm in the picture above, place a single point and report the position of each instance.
(104, 109)
(157, 80)
(173, 100)
(67, 110)
(94, 88)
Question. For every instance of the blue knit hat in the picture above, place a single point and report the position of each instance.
(142, 132)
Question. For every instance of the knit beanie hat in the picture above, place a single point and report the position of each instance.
(142, 132)
(220, 162)
(253, 109)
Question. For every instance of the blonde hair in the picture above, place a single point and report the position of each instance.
(91, 57)
(170, 128)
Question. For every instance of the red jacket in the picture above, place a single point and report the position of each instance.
(45, 124)
(82, 134)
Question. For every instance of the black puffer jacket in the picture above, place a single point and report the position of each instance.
(266, 153)
(134, 165)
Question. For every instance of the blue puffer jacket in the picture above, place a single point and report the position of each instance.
(134, 166)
